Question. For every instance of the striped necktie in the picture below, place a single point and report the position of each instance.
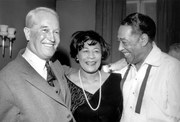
(50, 75)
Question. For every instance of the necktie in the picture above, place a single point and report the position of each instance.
(50, 75)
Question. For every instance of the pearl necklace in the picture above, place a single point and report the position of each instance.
(94, 109)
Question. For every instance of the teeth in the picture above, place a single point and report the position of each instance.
(126, 54)
(90, 63)
(48, 45)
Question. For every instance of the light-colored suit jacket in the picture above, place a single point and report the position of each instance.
(26, 97)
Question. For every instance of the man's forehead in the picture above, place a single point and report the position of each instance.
(46, 22)
(124, 30)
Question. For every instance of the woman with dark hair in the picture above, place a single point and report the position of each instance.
(96, 96)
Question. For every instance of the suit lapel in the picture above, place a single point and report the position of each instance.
(37, 81)
(40, 83)
(57, 69)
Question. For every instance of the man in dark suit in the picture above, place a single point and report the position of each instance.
(25, 95)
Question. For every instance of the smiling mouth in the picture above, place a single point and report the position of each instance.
(49, 45)
(126, 54)
(91, 63)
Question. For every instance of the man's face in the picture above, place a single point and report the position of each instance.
(44, 35)
(129, 44)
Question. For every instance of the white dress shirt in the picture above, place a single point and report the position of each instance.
(161, 101)
(37, 63)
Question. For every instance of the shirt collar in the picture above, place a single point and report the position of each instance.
(34, 60)
(154, 56)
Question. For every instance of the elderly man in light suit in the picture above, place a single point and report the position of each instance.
(25, 95)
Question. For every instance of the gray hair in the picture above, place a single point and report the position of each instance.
(30, 18)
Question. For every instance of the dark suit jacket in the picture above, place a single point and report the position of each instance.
(26, 97)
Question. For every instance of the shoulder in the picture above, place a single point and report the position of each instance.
(73, 77)
(12, 68)
(106, 76)
(169, 67)
(12, 75)
(69, 70)
(118, 75)
(169, 61)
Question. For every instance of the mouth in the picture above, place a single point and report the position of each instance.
(49, 44)
(125, 53)
(90, 63)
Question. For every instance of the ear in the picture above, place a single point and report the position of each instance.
(77, 59)
(144, 39)
(27, 33)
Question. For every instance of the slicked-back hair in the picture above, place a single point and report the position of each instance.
(80, 37)
(30, 18)
(141, 24)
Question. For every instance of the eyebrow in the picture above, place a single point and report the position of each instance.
(44, 26)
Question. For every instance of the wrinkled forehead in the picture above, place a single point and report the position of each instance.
(45, 13)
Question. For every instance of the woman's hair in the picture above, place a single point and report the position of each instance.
(30, 18)
(141, 24)
(80, 37)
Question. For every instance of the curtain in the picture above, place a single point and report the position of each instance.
(109, 14)
(164, 24)
(168, 26)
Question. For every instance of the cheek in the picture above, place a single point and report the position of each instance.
(99, 57)
(33, 36)
(37, 36)
(128, 48)
(80, 57)
(131, 48)
(41, 36)
(57, 37)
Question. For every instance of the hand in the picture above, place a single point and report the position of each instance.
(115, 66)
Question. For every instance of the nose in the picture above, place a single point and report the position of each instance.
(91, 54)
(50, 36)
(121, 46)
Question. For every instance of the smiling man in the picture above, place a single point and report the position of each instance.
(26, 93)
(150, 83)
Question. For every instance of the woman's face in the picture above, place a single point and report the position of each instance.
(90, 57)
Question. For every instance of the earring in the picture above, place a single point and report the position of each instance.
(76, 59)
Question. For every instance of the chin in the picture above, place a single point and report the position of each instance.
(49, 56)
(94, 71)
(130, 60)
